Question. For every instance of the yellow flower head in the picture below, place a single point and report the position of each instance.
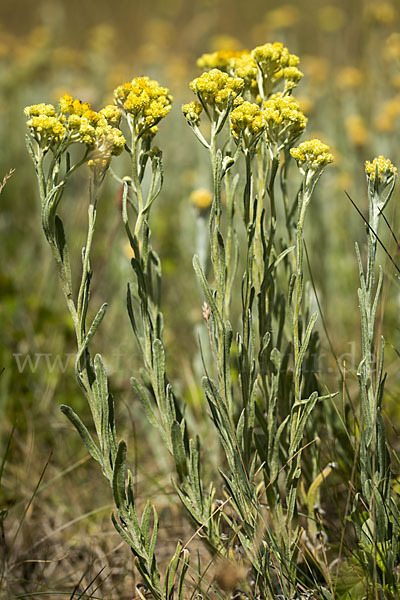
(284, 120)
(245, 67)
(219, 60)
(40, 110)
(81, 130)
(47, 131)
(44, 124)
(76, 122)
(201, 198)
(249, 120)
(108, 139)
(383, 167)
(237, 63)
(65, 103)
(69, 106)
(145, 101)
(275, 63)
(192, 112)
(273, 57)
(312, 155)
(292, 76)
(112, 114)
(215, 88)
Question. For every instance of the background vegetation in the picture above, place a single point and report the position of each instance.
(350, 54)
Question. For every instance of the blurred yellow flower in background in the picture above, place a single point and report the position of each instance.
(331, 18)
(284, 17)
(316, 68)
(306, 104)
(343, 180)
(201, 198)
(101, 38)
(227, 42)
(382, 13)
(386, 120)
(4, 49)
(391, 49)
(40, 37)
(357, 130)
(349, 78)
(65, 57)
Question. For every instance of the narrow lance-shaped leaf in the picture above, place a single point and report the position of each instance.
(145, 525)
(206, 288)
(92, 330)
(63, 249)
(178, 449)
(118, 482)
(83, 432)
(145, 400)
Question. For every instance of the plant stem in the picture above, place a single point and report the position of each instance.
(136, 183)
(298, 291)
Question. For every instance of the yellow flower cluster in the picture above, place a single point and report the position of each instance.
(68, 105)
(274, 57)
(192, 112)
(94, 129)
(145, 101)
(284, 120)
(44, 124)
(291, 75)
(112, 114)
(76, 122)
(245, 67)
(237, 63)
(220, 60)
(254, 74)
(215, 88)
(276, 63)
(247, 119)
(383, 166)
(312, 154)
(40, 110)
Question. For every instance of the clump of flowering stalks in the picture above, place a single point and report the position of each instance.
(374, 529)
(244, 121)
(261, 512)
(51, 133)
(261, 121)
